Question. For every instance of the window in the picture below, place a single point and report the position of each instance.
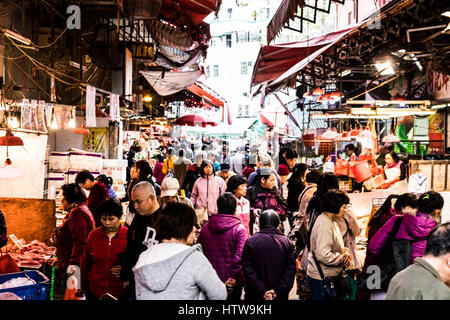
(208, 73)
(213, 43)
(229, 12)
(244, 68)
(246, 109)
(240, 110)
(350, 18)
(216, 71)
(228, 40)
(268, 13)
(249, 63)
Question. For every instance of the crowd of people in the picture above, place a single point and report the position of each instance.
(207, 222)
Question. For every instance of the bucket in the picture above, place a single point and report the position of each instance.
(361, 171)
(341, 167)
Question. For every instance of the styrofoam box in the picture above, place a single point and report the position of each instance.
(56, 179)
(86, 161)
(59, 161)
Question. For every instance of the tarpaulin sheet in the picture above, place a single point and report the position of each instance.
(276, 63)
(170, 82)
(193, 11)
(286, 11)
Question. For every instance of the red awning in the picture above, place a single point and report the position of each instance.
(207, 97)
(276, 63)
(286, 11)
(193, 11)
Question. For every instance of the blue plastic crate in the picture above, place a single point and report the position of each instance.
(38, 291)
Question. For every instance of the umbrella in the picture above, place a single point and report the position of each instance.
(194, 120)
(343, 137)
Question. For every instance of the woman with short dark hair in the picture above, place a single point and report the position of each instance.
(71, 236)
(175, 269)
(100, 268)
(238, 186)
(326, 245)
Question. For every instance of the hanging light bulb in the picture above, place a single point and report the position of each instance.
(13, 123)
(71, 123)
(54, 125)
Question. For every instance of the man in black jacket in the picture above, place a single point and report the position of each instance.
(147, 208)
(268, 261)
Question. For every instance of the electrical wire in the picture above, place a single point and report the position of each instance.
(31, 78)
(43, 67)
(51, 44)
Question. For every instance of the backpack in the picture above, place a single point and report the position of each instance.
(395, 257)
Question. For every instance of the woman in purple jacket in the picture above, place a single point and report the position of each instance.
(413, 227)
(222, 239)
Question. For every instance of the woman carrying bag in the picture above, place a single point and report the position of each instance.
(328, 258)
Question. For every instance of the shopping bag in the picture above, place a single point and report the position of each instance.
(202, 216)
(8, 265)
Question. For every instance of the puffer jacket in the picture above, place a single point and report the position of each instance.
(415, 228)
(264, 199)
(201, 197)
(372, 230)
(222, 239)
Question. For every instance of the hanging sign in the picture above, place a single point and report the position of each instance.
(141, 50)
(34, 115)
(114, 107)
(90, 107)
(25, 114)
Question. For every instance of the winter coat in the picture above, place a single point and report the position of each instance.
(419, 281)
(269, 263)
(173, 271)
(261, 198)
(206, 191)
(350, 229)
(99, 257)
(168, 164)
(71, 237)
(192, 175)
(243, 213)
(415, 228)
(385, 216)
(135, 236)
(97, 195)
(157, 172)
(328, 246)
(180, 167)
(222, 239)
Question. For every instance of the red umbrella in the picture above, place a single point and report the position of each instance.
(194, 120)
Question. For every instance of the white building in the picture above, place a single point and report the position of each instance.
(237, 34)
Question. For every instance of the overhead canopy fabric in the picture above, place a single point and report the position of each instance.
(167, 83)
(207, 97)
(188, 11)
(286, 11)
(276, 63)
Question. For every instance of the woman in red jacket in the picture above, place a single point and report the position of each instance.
(100, 268)
(72, 234)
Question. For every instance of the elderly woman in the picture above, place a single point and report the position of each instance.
(71, 236)
(100, 269)
(175, 269)
(327, 256)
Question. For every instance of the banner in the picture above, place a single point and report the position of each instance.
(34, 115)
(114, 107)
(90, 107)
(25, 114)
(96, 141)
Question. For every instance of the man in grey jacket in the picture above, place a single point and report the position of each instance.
(429, 277)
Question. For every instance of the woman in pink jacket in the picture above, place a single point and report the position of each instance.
(207, 189)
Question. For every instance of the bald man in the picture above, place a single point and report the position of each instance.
(147, 208)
